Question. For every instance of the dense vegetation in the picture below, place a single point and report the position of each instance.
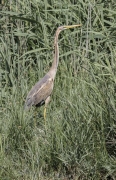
(79, 139)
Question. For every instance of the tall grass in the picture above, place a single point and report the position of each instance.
(79, 140)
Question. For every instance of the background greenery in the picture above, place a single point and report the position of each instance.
(79, 140)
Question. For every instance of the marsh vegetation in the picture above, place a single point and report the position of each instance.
(79, 141)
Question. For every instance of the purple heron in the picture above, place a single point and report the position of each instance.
(41, 91)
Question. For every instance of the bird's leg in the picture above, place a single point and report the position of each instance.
(46, 103)
(45, 113)
(35, 120)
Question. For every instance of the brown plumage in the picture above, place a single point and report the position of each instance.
(41, 91)
(37, 95)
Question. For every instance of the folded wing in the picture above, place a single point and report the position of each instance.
(40, 92)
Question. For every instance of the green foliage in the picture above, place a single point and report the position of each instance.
(79, 139)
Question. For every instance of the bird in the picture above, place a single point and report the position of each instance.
(42, 90)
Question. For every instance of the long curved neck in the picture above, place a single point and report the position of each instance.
(54, 66)
(56, 51)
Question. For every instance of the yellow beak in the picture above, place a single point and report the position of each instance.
(72, 26)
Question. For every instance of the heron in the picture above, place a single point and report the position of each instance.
(41, 91)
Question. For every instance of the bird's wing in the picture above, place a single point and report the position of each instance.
(40, 91)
